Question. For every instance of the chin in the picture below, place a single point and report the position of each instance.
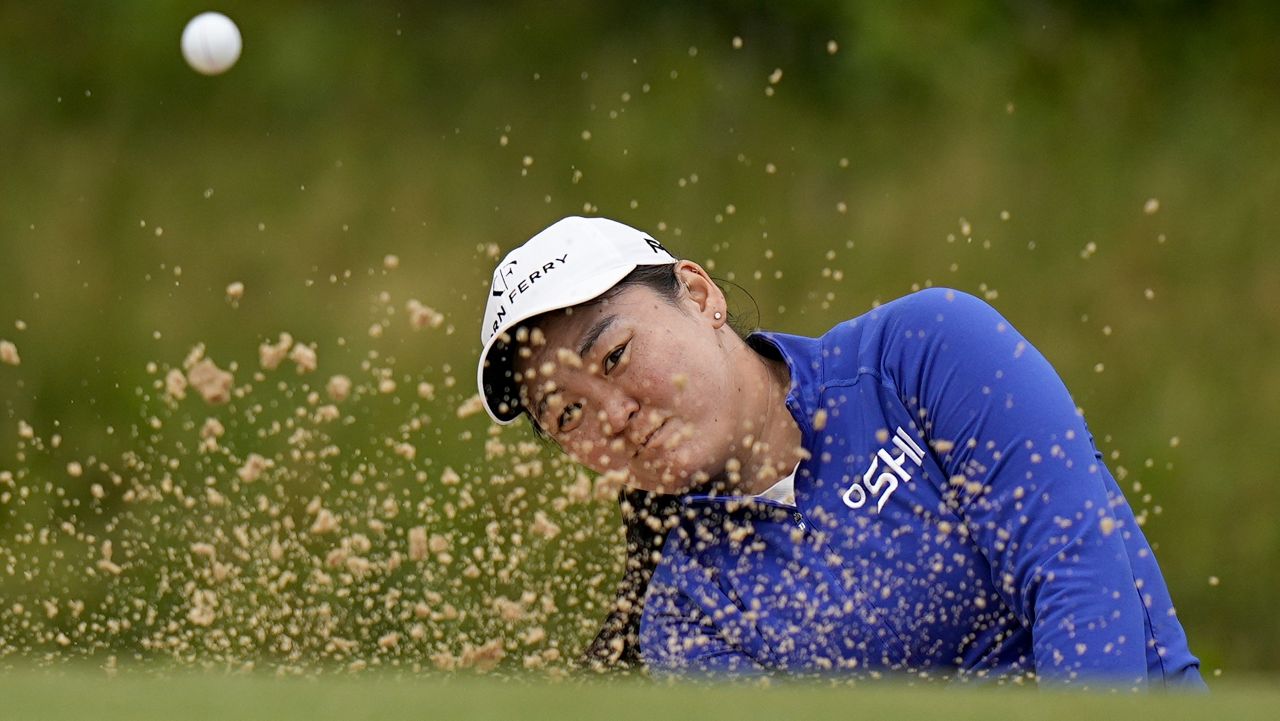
(670, 488)
(673, 479)
(667, 488)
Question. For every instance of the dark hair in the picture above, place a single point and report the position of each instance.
(661, 279)
(646, 517)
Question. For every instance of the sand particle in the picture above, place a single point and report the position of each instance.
(9, 353)
(304, 356)
(471, 406)
(253, 468)
(325, 522)
(544, 527)
(270, 355)
(422, 316)
(339, 388)
(175, 384)
(213, 383)
(418, 543)
(820, 419)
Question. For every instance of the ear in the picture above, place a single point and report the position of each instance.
(701, 294)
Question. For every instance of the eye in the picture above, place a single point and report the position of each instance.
(614, 357)
(569, 417)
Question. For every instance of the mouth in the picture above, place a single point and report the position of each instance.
(644, 444)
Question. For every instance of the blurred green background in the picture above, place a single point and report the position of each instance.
(1104, 173)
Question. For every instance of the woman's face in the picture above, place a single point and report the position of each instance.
(638, 384)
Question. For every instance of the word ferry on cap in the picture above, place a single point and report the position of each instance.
(521, 286)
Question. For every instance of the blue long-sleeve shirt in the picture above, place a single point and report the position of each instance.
(954, 518)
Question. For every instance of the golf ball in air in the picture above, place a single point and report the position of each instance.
(211, 43)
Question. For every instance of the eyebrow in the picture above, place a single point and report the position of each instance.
(542, 407)
(593, 334)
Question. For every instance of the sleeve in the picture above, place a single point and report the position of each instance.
(1023, 473)
(678, 637)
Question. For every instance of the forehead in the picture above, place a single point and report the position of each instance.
(573, 327)
(567, 328)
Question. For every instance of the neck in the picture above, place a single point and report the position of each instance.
(772, 440)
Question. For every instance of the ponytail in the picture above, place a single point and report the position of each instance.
(646, 517)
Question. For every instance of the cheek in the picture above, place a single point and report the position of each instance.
(690, 393)
(667, 377)
(582, 450)
(595, 454)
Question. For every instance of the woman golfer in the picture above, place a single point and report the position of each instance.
(913, 491)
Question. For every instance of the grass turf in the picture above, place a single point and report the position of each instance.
(191, 697)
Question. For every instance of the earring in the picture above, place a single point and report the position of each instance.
(717, 315)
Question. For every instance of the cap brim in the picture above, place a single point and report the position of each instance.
(497, 380)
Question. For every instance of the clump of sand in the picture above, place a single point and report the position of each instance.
(271, 354)
(338, 388)
(9, 353)
(422, 316)
(211, 382)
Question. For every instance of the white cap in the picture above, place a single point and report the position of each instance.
(571, 262)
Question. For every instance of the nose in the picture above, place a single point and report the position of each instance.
(617, 409)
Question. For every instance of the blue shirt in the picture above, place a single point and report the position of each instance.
(954, 518)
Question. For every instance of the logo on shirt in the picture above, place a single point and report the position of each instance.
(881, 481)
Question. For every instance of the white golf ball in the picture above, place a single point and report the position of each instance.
(211, 43)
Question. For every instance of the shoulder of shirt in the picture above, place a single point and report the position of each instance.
(864, 346)
(914, 311)
(921, 304)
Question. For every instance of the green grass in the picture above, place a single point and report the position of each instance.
(138, 697)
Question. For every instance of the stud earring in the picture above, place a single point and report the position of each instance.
(717, 315)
